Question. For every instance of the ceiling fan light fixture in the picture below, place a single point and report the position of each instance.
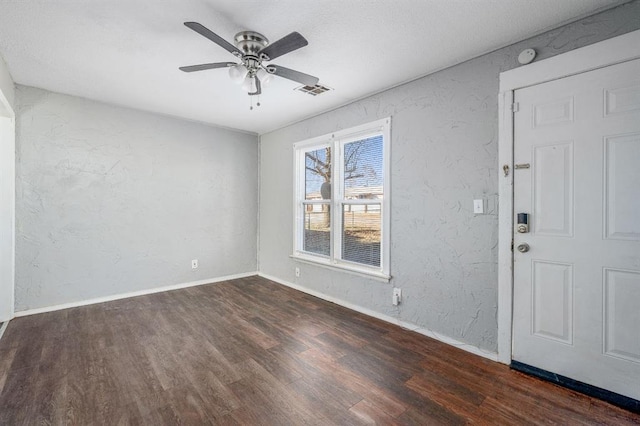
(264, 76)
(249, 84)
(237, 73)
(251, 49)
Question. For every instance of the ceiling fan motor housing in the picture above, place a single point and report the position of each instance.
(250, 42)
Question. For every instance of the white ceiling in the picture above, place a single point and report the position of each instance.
(127, 52)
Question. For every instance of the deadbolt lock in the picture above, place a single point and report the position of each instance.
(523, 223)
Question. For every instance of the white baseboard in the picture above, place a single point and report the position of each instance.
(407, 325)
(131, 294)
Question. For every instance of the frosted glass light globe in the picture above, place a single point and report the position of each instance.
(249, 84)
(237, 73)
(264, 76)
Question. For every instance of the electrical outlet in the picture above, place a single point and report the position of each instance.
(297, 272)
(194, 264)
(397, 296)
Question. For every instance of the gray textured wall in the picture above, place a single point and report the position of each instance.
(112, 200)
(444, 154)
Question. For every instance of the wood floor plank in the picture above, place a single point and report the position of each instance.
(447, 393)
(355, 382)
(371, 414)
(205, 357)
(276, 333)
(261, 392)
(277, 367)
(250, 351)
(416, 417)
(15, 399)
(6, 360)
(329, 398)
(337, 343)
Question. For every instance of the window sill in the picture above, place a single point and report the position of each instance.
(326, 263)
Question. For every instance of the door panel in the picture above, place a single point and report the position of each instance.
(552, 312)
(621, 314)
(553, 189)
(558, 111)
(622, 100)
(622, 177)
(577, 289)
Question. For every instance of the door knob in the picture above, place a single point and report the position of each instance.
(523, 248)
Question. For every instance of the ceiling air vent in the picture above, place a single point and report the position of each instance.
(313, 90)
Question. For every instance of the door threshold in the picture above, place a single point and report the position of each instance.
(621, 401)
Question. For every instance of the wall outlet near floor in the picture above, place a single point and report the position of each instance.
(297, 272)
(397, 296)
(194, 264)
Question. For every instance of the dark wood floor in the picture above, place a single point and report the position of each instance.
(250, 351)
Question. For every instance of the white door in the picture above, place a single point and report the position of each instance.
(576, 305)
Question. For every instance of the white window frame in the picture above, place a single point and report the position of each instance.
(337, 141)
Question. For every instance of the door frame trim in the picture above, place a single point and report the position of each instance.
(8, 196)
(605, 53)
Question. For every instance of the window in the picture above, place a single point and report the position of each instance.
(342, 199)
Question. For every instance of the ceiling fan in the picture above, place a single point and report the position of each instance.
(252, 49)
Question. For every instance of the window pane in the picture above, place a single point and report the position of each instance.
(317, 224)
(363, 176)
(361, 233)
(317, 178)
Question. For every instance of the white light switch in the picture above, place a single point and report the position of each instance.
(478, 206)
